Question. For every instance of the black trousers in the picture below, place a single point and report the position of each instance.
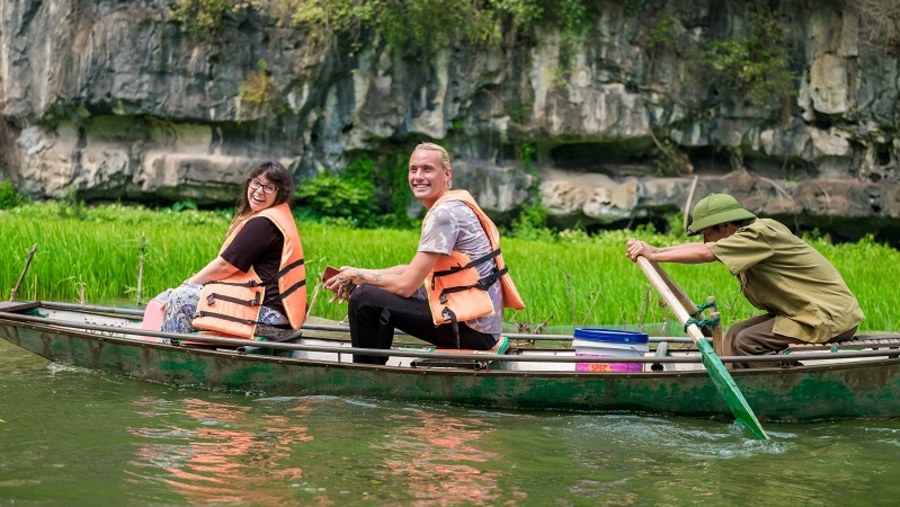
(374, 313)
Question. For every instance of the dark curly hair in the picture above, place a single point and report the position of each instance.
(278, 175)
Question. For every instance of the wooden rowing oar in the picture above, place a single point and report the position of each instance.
(717, 371)
(690, 306)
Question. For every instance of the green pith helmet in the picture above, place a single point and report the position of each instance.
(716, 209)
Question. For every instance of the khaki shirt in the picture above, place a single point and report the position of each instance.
(783, 275)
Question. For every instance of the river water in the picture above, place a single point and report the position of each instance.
(70, 436)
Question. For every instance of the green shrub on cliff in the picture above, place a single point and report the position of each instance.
(352, 200)
(422, 24)
(9, 196)
(365, 193)
(426, 23)
(756, 65)
(258, 91)
(204, 18)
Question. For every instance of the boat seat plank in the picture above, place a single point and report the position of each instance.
(475, 363)
(465, 364)
(863, 341)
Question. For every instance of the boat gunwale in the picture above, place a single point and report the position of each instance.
(831, 360)
(822, 391)
(133, 312)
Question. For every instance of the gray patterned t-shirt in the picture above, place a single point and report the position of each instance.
(452, 225)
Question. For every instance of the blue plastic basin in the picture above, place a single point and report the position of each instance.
(612, 336)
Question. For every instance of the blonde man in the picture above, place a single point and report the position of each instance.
(466, 282)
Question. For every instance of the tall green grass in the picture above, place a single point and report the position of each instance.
(573, 280)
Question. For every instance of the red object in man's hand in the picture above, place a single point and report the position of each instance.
(330, 272)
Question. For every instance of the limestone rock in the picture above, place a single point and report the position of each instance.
(111, 99)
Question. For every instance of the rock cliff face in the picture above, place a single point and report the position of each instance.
(111, 99)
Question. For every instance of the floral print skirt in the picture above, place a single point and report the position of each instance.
(181, 309)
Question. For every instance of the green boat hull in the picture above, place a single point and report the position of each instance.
(857, 390)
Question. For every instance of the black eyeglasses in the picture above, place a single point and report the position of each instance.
(267, 189)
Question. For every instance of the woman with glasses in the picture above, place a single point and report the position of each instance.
(256, 286)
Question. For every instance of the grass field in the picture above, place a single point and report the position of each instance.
(572, 280)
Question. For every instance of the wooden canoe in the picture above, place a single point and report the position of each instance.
(856, 380)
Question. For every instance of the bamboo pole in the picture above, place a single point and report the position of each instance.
(140, 280)
(686, 214)
(15, 289)
(718, 339)
(313, 301)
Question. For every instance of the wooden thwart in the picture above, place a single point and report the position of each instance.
(474, 363)
(466, 364)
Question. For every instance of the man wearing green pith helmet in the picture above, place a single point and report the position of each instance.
(803, 295)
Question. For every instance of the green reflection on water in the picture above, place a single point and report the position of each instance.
(80, 438)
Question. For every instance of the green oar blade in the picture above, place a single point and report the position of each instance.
(729, 390)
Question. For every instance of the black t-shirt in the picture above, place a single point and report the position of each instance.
(259, 244)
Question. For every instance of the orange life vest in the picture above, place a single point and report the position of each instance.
(456, 292)
(231, 305)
